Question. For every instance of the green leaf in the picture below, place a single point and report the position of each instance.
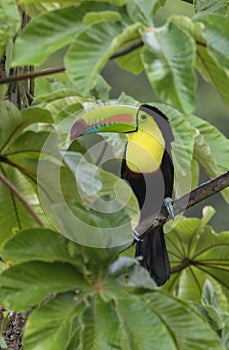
(54, 324)
(29, 144)
(209, 49)
(35, 281)
(216, 29)
(50, 32)
(53, 30)
(148, 323)
(39, 245)
(197, 253)
(213, 72)
(131, 61)
(141, 11)
(47, 33)
(98, 333)
(92, 18)
(211, 307)
(164, 63)
(102, 89)
(93, 48)
(220, 7)
(209, 296)
(211, 149)
(13, 121)
(199, 336)
(108, 222)
(105, 185)
(182, 148)
(9, 22)
(10, 206)
(49, 96)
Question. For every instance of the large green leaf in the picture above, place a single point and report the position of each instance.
(39, 245)
(9, 22)
(13, 121)
(105, 185)
(140, 321)
(141, 11)
(135, 322)
(19, 160)
(11, 207)
(211, 149)
(51, 31)
(92, 49)
(148, 323)
(37, 280)
(217, 37)
(52, 326)
(210, 48)
(105, 219)
(196, 254)
(168, 59)
(47, 33)
(20, 154)
(199, 335)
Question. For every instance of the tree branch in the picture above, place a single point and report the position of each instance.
(32, 75)
(49, 71)
(14, 190)
(188, 200)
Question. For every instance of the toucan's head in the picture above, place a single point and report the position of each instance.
(121, 119)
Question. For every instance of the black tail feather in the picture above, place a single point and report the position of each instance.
(154, 255)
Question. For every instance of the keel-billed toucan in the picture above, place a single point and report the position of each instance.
(147, 166)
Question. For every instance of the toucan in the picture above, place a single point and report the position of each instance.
(146, 165)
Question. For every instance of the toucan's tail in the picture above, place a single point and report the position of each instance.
(154, 255)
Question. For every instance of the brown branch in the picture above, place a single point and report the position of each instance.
(15, 191)
(32, 75)
(49, 71)
(188, 200)
(127, 50)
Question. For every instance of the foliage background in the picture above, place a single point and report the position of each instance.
(71, 291)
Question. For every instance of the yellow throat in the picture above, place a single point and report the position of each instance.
(145, 150)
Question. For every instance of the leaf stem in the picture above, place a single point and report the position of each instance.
(15, 191)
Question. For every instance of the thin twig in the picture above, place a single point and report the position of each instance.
(32, 74)
(15, 191)
(127, 50)
(188, 200)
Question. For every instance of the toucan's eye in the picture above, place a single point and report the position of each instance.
(143, 117)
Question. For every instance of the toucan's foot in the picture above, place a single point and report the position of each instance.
(168, 202)
(137, 237)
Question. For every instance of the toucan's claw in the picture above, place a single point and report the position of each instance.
(137, 237)
(168, 202)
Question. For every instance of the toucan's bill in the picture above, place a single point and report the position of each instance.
(112, 118)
